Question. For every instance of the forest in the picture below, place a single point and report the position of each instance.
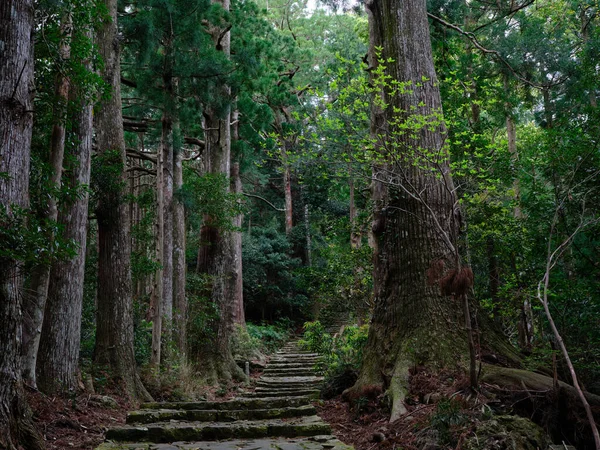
(411, 186)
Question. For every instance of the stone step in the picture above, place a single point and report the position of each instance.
(302, 361)
(320, 442)
(290, 380)
(146, 416)
(297, 355)
(165, 432)
(297, 393)
(290, 366)
(231, 405)
(288, 372)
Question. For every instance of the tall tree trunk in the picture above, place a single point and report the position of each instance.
(59, 345)
(16, 122)
(156, 303)
(167, 253)
(179, 264)
(287, 186)
(355, 235)
(216, 255)
(40, 277)
(415, 223)
(114, 317)
(239, 316)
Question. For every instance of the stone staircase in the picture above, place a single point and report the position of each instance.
(276, 415)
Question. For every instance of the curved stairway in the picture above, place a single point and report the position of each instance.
(277, 415)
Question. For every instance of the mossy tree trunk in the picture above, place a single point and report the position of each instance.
(415, 219)
(16, 123)
(114, 317)
(58, 360)
(217, 247)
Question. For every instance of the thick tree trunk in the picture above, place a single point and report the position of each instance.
(415, 223)
(114, 317)
(16, 121)
(216, 255)
(40, 277)
(179, 264)
(59, 345)
(239, 316)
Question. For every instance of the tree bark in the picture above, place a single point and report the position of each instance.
(40, 277)
(179, 264)
(167, 180)
(16, 122)
(167, 253)
(415, 222)
(216, 254)
(156, 304)
(114, 317)
(60, 340)
(239, 316)
(287, 186)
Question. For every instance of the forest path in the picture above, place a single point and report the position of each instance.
(277, 415)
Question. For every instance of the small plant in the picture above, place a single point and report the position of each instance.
(447, 417)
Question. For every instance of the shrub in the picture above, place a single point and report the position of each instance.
(342, 354)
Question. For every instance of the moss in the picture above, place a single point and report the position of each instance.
(507, 432)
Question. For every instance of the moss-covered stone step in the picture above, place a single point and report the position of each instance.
(146, 416)
(287, 371)
(236, 404)
(291, 381)
(296, 354)
(320, 442)
(290, 365)
(283, 392)
(299, 393)
(165, 432)
(292, 358)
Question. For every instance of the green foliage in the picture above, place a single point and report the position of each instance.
(208, 195)
(341, 354)
(315, 339)
(271, 337)
(271, 286)
(446, 419)
(251, 341)
(203, 313)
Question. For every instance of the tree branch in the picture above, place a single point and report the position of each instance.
(264, 200)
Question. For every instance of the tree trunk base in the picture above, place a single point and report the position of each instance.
(21, 432)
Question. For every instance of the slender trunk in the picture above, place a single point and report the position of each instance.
(167, 253)
(179, 264)
(308, 235)
(114, 317)
(16, 122)
(287, 186)
(511, 133)
(40, 277)
(355, 235)
(238, 294)
(59, 345)
(542, 294)
(157, 293)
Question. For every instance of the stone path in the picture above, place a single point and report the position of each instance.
(277, 415)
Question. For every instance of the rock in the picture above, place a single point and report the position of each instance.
(507, 432)
(104, 400)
